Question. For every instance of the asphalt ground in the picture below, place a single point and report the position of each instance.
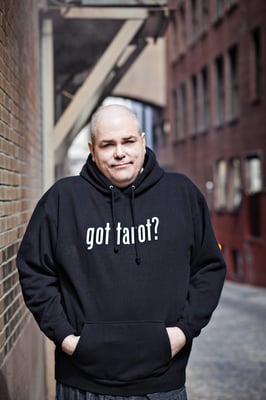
(228, 359)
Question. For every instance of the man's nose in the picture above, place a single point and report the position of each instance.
(119, 151)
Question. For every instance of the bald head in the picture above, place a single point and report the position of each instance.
(117, 144)
(114, 113)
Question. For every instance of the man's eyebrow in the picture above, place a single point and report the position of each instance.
(129, 137)
(104, 141)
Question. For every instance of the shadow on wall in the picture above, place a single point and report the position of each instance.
(4, 395)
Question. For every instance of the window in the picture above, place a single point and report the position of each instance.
(219, 9)
(183, 111)
(182, 31)
(220, 95)
(254, 214)
(175, 114)
(237, 263)
(194, 92)
(204, 100)
(231, 4)
(234, 85)
(174, 44)
(193, 16)
(220, 195)
(254, 187)
(204, 15)
(179, 103)
(253, 167)
(235, 189)
(256, 64)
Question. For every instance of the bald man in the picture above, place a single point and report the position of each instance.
(121, 269)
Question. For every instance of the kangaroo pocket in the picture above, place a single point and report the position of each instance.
(123, 351)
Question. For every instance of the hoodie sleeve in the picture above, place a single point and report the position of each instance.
(207, 273)
(38, 274)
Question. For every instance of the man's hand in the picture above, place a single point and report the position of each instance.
(69, 344)
(177, 339)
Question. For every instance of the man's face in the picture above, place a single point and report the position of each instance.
(118, 149)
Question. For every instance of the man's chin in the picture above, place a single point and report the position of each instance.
(122, 182)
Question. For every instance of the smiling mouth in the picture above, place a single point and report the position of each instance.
(122, 165)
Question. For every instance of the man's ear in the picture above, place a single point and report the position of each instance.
(143, 138)
(91, 150)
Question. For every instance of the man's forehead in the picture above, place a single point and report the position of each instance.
(117, 126)
(115, 109)
(116, 118)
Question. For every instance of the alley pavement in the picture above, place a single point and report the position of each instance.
(228, 359)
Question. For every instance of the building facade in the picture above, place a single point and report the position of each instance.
(22, 350)
(215, 120)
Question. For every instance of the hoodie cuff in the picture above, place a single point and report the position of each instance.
(61, 332)
(186, 330)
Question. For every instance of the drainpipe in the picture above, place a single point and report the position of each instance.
(47, 90)
(47, 93)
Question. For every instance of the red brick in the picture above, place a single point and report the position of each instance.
(20, 145)
(197, 156)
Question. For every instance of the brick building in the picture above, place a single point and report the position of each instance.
(21, 344)
(215, 120)
(46, 71)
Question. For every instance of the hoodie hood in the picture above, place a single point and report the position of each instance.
(150, 175)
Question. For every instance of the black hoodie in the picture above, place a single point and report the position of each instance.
(117, 267)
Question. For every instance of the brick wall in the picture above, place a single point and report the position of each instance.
(20, 172)
(230, 133)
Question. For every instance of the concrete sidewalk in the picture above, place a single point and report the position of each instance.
(228, 359)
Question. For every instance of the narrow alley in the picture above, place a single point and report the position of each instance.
(228, 360)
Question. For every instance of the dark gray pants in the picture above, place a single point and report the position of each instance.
(64, 392)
